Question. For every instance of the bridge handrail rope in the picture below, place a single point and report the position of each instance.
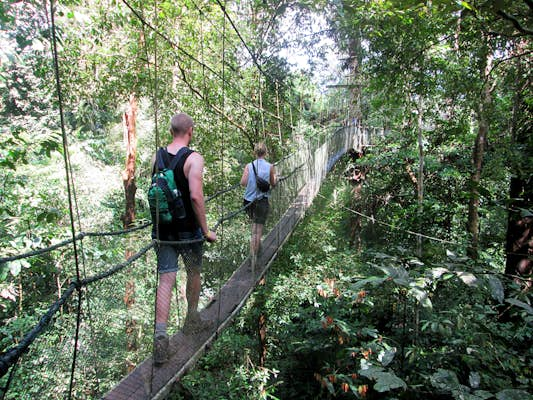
(82, 235)
(10, 356)
(66, 242)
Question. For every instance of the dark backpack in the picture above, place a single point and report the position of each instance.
(262, 185)
(164, 198)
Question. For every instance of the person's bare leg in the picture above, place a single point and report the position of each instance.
(167, 281)
(193, 291)
(193, 322)
(161, 351)
(255, 241)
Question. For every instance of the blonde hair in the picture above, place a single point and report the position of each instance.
(260, 149)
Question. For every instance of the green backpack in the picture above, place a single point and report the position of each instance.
(164, 198)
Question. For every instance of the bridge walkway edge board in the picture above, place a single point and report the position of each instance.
(147, 382)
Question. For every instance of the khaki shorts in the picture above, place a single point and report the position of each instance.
(258, 210)
(191, 253)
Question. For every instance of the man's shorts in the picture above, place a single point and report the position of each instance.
(191, 253)
(258, 210)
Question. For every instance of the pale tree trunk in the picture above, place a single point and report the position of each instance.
(128, 175)
(478, 154)
(128, 179)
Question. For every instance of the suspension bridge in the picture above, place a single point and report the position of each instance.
(301, 174)
(71, 354)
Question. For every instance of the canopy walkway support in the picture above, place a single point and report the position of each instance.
(151, 382)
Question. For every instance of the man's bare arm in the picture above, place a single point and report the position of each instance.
(195, 178)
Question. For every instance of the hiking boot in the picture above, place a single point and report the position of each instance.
(194, 324)
(161, 344)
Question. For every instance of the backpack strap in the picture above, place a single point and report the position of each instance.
(163, 158)
(184, 150)
(255, 172)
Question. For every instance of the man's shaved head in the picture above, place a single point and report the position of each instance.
(180, 123)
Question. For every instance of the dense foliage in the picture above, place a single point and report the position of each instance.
(354, 307)
(380, 323)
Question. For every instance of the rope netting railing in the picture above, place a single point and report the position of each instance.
(110, 346)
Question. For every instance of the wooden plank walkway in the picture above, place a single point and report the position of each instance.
(150, 382)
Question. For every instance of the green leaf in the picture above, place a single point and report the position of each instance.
(496, 288)
(468, 278)
(15, 267)
(520, 304)
(444, 379)
(524, 213)
(421, 295)
(513, 394)
(483, 394)
(467, 5)
(385, 357)
(371, 332)
(4, 269)
(329, 385)
(387, 381)
(369, 370)
(373, 280)
(398, 274)
(474, 379)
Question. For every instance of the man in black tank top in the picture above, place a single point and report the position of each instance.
(188, 175)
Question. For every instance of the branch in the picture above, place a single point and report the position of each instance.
(213, 107)
(515, 22)
(499, 62)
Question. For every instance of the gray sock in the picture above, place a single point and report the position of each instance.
(160, 328)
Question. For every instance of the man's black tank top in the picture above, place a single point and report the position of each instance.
(189, 223)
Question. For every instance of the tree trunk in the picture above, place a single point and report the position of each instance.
(128, 175)
(519, 240)
(519, 243)
(262, 327)
(478, 154)
(420, 180)
(128, 179)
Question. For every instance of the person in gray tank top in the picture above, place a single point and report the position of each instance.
(259, 207)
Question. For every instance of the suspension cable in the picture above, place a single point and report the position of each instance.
(157, 220)
(409, 232)
(66, 242)
(254, 57)
(222, 148)
(69, 190)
